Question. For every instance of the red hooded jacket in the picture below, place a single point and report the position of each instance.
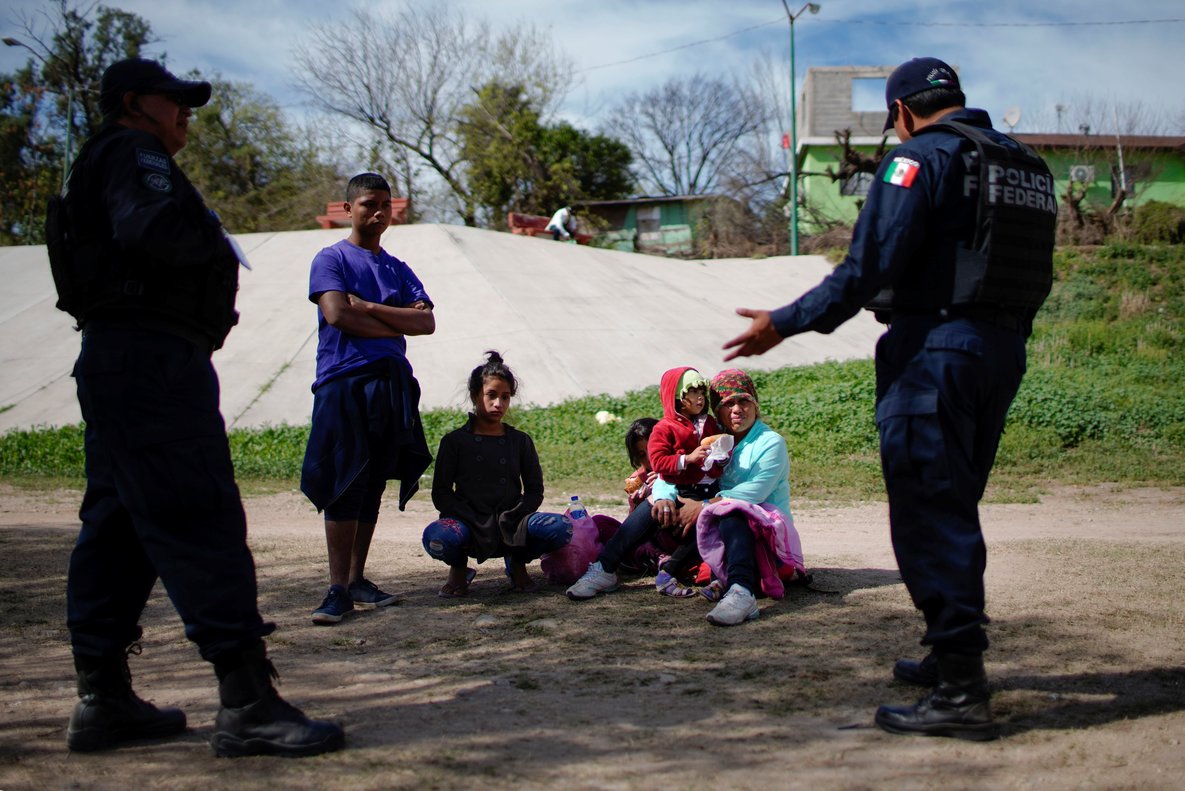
(674, 435)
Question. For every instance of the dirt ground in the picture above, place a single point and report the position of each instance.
(634, 690)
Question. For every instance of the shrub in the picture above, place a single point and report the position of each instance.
(1156, 222)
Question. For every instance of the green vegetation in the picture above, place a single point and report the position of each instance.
(1103, 401)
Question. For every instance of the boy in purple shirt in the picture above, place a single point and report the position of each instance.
(366, 423)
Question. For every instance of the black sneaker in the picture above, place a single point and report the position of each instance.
(366, 594)
(337, 605)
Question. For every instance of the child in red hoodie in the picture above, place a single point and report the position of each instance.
(678, 457)
(675, 453)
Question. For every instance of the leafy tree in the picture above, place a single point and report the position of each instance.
(600, 164)
(516, 164)
(258, 172)
(407, 77)
(79, 45)
(27, 165)
(52, 104)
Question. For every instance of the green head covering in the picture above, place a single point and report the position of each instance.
(691, 378)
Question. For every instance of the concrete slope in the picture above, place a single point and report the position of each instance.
(570, 320)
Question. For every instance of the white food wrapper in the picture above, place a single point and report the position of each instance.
(718, 451)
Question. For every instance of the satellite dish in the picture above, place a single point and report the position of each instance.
(1012, 117)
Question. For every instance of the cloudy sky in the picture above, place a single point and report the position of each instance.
(1030, 54)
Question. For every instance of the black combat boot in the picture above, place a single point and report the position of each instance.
(923, 673)
(255, 720)
(109, 712)
(959, 706)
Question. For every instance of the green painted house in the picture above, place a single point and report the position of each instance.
(1153, 167)
(662, 225)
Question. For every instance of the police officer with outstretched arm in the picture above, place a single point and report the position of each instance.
(953, 250)
(147, 271)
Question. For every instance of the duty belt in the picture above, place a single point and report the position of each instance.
(992, 315)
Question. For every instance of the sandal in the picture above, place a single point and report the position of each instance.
(713, 591)
(669, 586)
(448, 591)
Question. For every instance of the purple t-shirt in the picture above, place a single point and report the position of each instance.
(374, 277)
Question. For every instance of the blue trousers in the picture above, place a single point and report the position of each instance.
(634, 531)
(451, 540)
(943, 392)
(161, 500)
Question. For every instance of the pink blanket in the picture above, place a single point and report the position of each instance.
(779, 550)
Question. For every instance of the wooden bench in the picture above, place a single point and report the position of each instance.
(335, 215)
(535, 225)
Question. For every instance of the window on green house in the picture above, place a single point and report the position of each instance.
(649, 219)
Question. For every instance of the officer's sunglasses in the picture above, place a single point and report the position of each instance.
(894, 111)
(174, 97)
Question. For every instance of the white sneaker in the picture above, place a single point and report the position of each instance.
(595, 580)
(737, 606)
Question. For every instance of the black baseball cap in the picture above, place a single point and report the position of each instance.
(140, 75)
(915, 76)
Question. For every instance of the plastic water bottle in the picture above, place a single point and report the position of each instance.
(576, 510)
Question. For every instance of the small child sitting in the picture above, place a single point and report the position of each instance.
(677, 455)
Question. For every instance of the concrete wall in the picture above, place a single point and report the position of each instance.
(571, 321)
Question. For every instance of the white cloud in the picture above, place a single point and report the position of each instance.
(1005, 61)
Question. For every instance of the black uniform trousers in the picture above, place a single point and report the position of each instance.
(943, 392)
(161, 500)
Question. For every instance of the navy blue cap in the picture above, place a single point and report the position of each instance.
(915, 76)
(140, 75)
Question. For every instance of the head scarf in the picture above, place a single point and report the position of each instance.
(730, 385)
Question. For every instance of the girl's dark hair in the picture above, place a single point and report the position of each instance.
(493, 367)
(639, 429)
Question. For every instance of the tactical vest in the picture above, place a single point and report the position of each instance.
(1008, 265)
(96, 280)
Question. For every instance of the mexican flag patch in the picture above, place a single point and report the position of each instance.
(902, 172)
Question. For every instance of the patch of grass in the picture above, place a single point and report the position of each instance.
(1102, 401)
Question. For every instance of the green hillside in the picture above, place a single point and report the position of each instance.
(1103, 402)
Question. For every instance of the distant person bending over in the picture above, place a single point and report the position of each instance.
(562, 224)
(488, 486)
(366, 426)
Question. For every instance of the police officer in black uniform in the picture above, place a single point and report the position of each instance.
(953, 250)
(150, 276)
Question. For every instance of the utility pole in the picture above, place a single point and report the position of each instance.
(814, 9)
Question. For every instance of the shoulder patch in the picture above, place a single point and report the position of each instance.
(902, 171)
(157, 182)
(152, 160)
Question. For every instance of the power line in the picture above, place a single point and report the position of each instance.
(684, 46)
(1001, 24)
(887, 23)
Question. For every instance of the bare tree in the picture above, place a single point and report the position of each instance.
(1095, 115)
(407, 76)
(688, 134)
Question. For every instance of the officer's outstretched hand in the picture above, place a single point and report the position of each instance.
(758, 339)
